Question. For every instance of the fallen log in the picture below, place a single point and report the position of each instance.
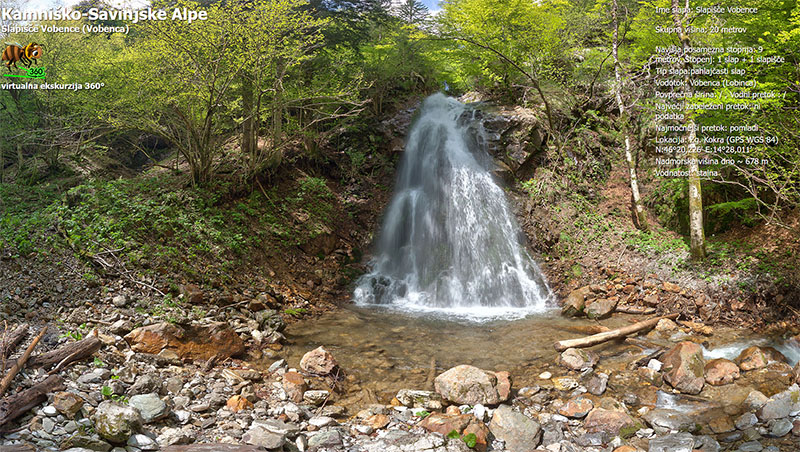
(635, 310)
(12, 339)
(18, 404)
(74, 351)
(20, 363)
(599, 338)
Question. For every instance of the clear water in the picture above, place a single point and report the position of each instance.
(449, 241)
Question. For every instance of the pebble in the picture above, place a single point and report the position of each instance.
(751, 446)
(142, 442)
(545, 375)
(50, 410)
(276, 365)
(746, 421)
(779, 428)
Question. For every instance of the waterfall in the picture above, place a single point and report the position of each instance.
(449, 241)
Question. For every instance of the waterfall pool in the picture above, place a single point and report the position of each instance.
(383, 350)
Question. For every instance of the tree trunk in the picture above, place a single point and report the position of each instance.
(697, 234)
(640, 214)
(248, 144)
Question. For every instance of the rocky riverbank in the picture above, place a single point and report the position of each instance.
(193, 386)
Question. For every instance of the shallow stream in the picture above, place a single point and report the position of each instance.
(384, 350)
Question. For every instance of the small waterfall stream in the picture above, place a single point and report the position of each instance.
(449, 241)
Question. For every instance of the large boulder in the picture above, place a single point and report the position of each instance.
(319, 362)
(721, 371)
(781, 404)
(684, 368)
(201, 342)
(756, 357)
(600, 308)
(116, 422)
(469, 385)
(519, 432)
(575, 302)
(608, 421)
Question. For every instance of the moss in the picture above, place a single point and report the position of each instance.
(630, 429)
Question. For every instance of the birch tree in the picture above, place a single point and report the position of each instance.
(696, 231)
(640, 214)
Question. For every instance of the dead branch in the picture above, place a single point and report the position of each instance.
(15, 406)
(20, 363)
(599, 338)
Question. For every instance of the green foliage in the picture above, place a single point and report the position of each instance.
(108, 393)
(653, 243)
(454, 434)
(296, 312)
(531, 35)
(470, 439)
(23, 216)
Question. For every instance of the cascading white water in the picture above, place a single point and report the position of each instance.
(449, 241)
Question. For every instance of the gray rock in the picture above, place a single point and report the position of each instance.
(116, 422)
(469, 385)
(515, 429)
(327, 438)
(70, 426)
(173, 385)
(779, 427)
(86, 442)
(142, 442)
(781, 405)
(315, 397)
(428, 400)
(730, 437)
(674, 442)
(48, 425)
(96, 376)
(260, 436)
(597, 384)
(576, 359)
(322, 421)
(145, 384)
(120, 301)
(276, 365)
(755, 400)
(746, 421)
(706, 443)
(277, 426)
(151, 407)
(663, 420)
(121, 327)
(750, 446)
(171, 436)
